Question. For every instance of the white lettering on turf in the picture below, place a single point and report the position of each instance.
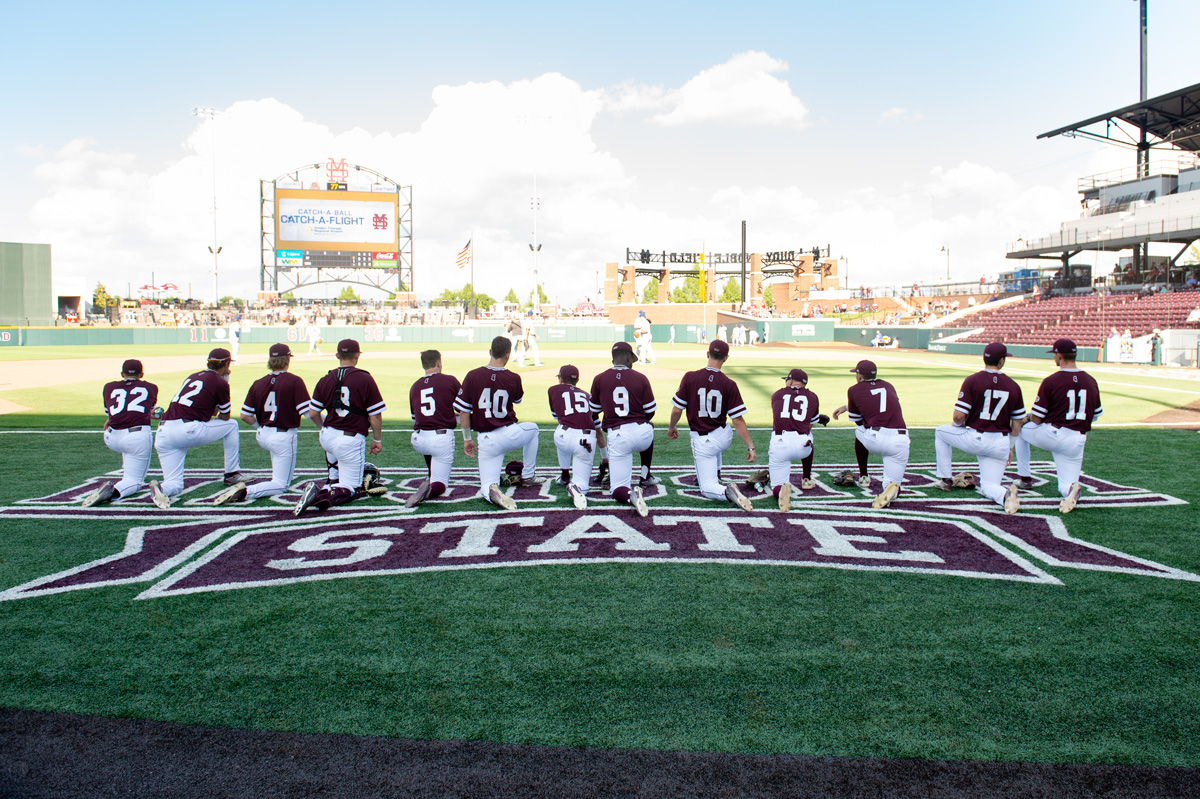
(836, 544)
(477, 535)
(321, 542)
(628, 538)
(718, 535)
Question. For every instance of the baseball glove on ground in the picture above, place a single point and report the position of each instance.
(964, 480)
(372, 482)
(846, 478)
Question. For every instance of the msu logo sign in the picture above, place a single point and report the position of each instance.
(195, 547)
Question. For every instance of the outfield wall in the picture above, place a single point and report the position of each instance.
(1085, 354)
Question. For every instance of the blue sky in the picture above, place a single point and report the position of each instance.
(886, 130)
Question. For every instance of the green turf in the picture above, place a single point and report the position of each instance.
(747, 658)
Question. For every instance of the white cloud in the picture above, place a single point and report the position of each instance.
(742, 91)
(897, 114)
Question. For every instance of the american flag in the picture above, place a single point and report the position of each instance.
(464, 255)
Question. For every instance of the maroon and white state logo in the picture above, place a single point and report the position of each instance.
(196, 547)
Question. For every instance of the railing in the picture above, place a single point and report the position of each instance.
(1130, 173)
(1116, 233)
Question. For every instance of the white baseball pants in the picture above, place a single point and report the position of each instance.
(439, 446)
(135, 445)
(282, 445)
(577, 450)
(892, 445)
(623, 441)
(176, 437)
(706, 452)
(646, 350)
(493, 445)
(990, 449)
(785, 449)
(349, 452)
(1064, 444)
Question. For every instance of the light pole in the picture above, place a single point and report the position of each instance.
(536, 248)
(215, 249)
(946, 250)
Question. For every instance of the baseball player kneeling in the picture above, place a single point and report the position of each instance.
(128, 406)
(274, 405)
(874, 407)
(352, 405)
(188, 423)
(431, 401)
(576, 438)
(626, 400)
(487, 403)
(988, 410)
(794, 410)
(709, 396)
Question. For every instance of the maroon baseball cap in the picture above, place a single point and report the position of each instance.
(1064, 346)
(348, 346)
(865, 368)
(280, 349)
(798, 375)
(220, 354)
(624, 346)
(131, 367)
(718, 348)
(568, 372)
(995, 351)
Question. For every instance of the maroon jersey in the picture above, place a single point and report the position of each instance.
(793, 410)
(708, 395)
(129, 403)
(1068, 398)
(623, 396)
(431, 400)
(490, 395)
(992, 402)
(358, 399)
(277, 400)
(874, 403)
(200, 397)
(571, 407)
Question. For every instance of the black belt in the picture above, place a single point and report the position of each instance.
(901, 432)
(276, 429)
(137, 429)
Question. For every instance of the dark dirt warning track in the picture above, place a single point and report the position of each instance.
(60, 755)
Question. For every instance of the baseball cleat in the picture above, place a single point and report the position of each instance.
(418, 496)
(808, 484)
(235, 493)
(577, 497)
(498, 497)
(1024, 483)
(639, 502)
(306, 498)
(944, 483)
(864, 482)
(734, 495)
(785, 498)
(1071, 499)
(650, 481)
(532, 481)
(885, 498)
(561, 483)
(160, 499)
(1011, 503)
(100, 496)
(233, 478)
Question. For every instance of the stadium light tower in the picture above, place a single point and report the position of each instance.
(215, 249)
(946, 250)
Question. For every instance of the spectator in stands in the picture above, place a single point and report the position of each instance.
(878, 340)
(1192, 281)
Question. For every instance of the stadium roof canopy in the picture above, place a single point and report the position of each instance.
(1173, 119)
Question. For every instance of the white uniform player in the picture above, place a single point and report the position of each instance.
(274, 406)
(794, 410)
(626, 399)
(314, 337)
(531, 341)
(128, 406)
(188, 423)
(710, 397)
(645, 339)
(235, 337)
(874, 407)
(487, 403)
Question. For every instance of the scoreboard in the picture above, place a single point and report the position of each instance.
(336, 226)
(335, 259)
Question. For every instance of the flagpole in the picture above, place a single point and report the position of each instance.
(474, 298)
